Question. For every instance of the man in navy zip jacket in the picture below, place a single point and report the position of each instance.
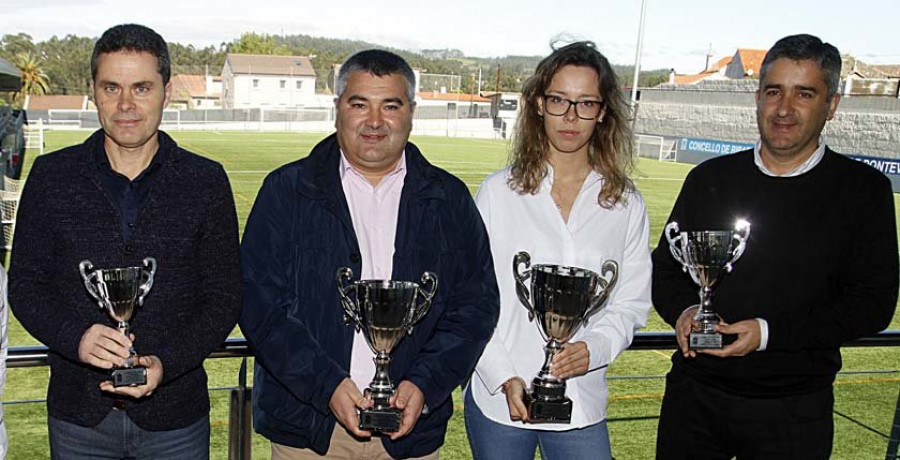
(365, 198)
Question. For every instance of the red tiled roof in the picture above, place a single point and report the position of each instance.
(56, 102)
(751, 59)
(691, 79)
(719, 64)
(185, 87)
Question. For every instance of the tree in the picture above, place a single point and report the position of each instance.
(34, 80)
(13, 45)
(67, 62)
(253, 43)
(186, 59)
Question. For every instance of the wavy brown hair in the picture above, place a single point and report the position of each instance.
(610, 150)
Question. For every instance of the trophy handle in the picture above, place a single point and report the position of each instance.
(740, 235)
(676, 242)
(88, 274)
(147, 273)
(421, 309)
(603, 289)
(521, 277)
(351, 310)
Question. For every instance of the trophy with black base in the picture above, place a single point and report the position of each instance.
(707, 255)
(385, 311)
(562, 299)
(118, 291)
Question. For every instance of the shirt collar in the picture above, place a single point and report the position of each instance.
(804, 168)
(346, 167)
(103, 160)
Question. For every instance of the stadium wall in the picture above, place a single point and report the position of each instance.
(865, 126)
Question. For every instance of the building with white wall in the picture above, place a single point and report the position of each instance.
(276, 82)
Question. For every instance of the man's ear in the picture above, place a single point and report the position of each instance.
(833, 105)
(168, 91)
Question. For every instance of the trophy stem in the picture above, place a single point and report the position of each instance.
(706, 317)
(546, 385)
(125, 329)
(546, 400)
(381, 390)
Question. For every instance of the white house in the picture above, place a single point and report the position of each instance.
(276, 82)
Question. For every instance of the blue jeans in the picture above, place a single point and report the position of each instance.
(117, 437)
(490, 440)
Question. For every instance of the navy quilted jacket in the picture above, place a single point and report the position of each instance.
(298, 235)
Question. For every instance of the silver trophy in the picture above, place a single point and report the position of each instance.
(562, 298)
(707, 255)
(118, 291)
(385, 311)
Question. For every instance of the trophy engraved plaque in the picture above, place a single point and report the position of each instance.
(384, 311)
(118, 291)
(707, 255)
(562, 299)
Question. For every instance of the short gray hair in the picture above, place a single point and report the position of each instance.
(379, 63)
(805, 47)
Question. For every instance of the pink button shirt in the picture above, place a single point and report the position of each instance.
(373, 211)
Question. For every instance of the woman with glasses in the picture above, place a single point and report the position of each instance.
(566, 199)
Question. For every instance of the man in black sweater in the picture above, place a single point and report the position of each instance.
(128, 192)
(820, 268)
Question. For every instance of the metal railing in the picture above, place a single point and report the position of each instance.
(239, 430)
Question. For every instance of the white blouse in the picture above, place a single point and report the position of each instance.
(592, 235)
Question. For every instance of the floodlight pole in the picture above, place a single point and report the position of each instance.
(637, 59)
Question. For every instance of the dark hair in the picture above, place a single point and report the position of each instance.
(612, 143)
(379, 63)
(805, 47)
(133, 37)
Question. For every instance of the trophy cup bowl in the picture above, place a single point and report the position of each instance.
(562, 299)
(707, 255)
(118, 291)
(384, 311)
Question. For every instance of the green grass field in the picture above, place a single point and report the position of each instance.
(866, 398)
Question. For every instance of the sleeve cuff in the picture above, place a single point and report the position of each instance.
(763, 334)
(598, 356)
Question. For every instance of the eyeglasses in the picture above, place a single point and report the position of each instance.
(586, 110)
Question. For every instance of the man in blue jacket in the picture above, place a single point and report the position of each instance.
(367, 199)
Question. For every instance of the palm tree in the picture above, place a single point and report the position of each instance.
(34, 80)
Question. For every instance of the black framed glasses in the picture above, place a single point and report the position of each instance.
(559, 106)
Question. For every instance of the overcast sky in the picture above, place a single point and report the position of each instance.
(678, 33)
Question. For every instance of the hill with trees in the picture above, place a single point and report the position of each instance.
(65, 61)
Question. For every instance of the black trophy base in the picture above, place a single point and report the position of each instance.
(130, 377)
(381, 420)
(548, 411)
